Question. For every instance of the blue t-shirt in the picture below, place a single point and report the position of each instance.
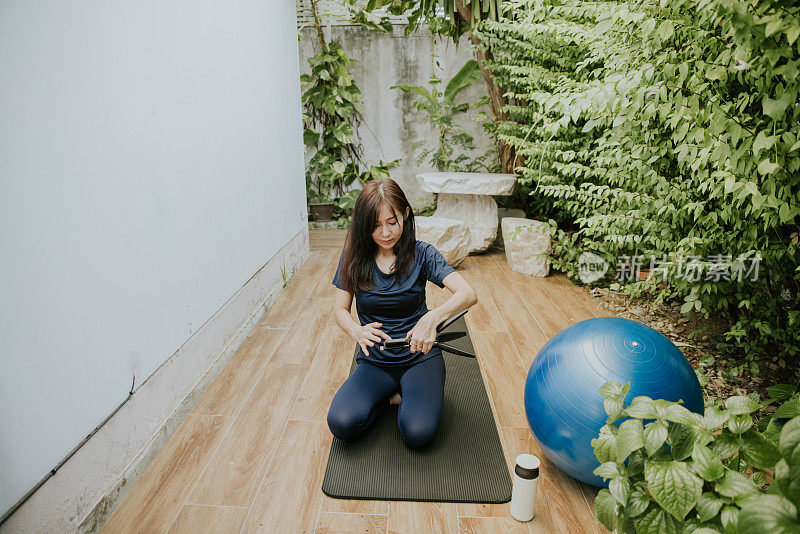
(398, 307)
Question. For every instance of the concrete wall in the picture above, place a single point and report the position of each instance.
(151, 192)
(391, 124)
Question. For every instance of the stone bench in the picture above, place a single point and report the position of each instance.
(450, 236)
(467, 196)
(527, 244)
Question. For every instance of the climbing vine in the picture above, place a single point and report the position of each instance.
(669, 131)
(333, 109)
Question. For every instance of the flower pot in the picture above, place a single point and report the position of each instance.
(321, 211)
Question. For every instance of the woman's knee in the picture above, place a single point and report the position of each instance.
(344, 424)
(417, 432)
(346, 420)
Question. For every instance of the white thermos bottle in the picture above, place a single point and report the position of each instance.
(523, 491)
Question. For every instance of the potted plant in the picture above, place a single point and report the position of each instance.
(323, 181)
(322, 210)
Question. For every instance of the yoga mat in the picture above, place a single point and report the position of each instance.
(463, 463)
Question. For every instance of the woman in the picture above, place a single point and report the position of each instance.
(386, 268)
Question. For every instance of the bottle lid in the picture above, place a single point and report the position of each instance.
(527, 466)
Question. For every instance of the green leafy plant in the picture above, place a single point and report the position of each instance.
(671, 470)
(667, 129)
(451, 18)
(448, 17)
(566, 250)
(333, 110)
(333, 106)
(456, 148)
(427, 210)
(345, 203)
(283, 275)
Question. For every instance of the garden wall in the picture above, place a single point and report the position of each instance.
(391, 124)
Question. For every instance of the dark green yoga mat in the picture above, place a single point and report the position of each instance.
(463, 463)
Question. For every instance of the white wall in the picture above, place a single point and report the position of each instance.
(150, 164)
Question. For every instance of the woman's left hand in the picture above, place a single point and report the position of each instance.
(423, 335)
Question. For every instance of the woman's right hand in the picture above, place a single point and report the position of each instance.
(367, 335)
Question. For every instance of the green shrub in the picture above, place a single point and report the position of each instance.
(332, 110)
(667, 129)
(671, 470)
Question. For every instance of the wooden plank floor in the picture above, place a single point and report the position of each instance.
(251, 455)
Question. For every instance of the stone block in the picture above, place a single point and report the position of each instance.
(467, 183)
(502, 213)
(527, 244)
(450, 236)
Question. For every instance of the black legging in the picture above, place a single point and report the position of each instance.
(368, 389)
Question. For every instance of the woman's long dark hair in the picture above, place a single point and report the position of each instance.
(356, 271)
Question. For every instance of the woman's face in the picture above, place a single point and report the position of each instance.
(388, 227)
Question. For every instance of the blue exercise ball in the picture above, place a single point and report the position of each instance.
(562, 398)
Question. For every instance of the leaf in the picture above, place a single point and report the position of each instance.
(782, 391)
(789, 409)
(343, 133)
(681, 440)
(415, 89)
(739, 424)
(708, 506)
(641, 408)
(773, 430)
(613, 407)
(773, 27)
(605, 445)
(338, 167)
(741, 405)
(310, 137)
(792, 33)
(680, 414)
(758, 451)
(786, 482)
(715, 417)
(716, 73)
(769, 513)
(673, 486)
(629, 438)
(613, 389)
(636, 463)
(648, 27)
(767, 166)
(763, 142)
(465, 77)
(656, 521)
(735, 484)
(666, 29)
(605, 508)
(729, 518)
(638, 502)
(776, 109)
(607, 470)
(726, 444)
(654, 436)
(619, 489)
(707, 464)
(789, 443)
(787, 214)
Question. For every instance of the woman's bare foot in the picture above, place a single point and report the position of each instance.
(395, 399)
